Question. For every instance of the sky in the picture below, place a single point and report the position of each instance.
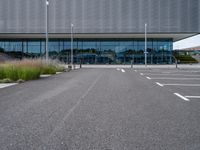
(189, 42)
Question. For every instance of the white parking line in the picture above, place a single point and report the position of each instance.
(172, 75)
(4, 85)
(159, 84)
(180, 72)
(45, 75)
(141, 74)
(192, 96)
(118, 69)
(186, 71)
(164, 84)
(122, 70)
(58, 72)
(176, 78)
(182, 97)
(135, 70)
(148, 78)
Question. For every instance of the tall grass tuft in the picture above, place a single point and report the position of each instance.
(48, 69)
(2, 75)
(27, 73)
(27, 69)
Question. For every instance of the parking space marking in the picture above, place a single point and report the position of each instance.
(172, 75)
(148, 78)
(4, 85)
(135, 70)
(45, 75)
(192, 96)
(122, 70)
(159, 84)
(177, 84)
(175, 78)
(181, 72)
(182, 97)
(118, 69)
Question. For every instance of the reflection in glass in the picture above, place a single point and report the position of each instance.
(93, 51)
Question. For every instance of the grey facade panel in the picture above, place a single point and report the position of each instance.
(101, 16)
(198, 16)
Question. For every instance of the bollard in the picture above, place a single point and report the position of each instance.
(81, 63)
(131, 63)
(70, 67)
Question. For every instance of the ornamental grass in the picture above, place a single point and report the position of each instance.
(27, 69)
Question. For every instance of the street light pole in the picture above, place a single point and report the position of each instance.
(72, 60)
(145, 53)
(47, 39)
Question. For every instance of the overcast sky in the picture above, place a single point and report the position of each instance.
(189, 42)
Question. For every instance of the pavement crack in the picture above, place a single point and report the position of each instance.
(58, 126)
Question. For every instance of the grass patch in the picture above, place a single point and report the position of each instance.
(27, 69)
(186, 59)
(28, 73)
(48, 69)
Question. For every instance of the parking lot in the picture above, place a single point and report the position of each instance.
(109, 108)
(184, 83)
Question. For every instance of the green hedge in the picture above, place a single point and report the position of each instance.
(186, 59)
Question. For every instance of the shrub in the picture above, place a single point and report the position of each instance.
(6, 80)
(51, 68)
(20, 81)
(60, 69)
(186, 59)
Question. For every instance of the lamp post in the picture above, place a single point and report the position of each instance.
(72, 59)
(145, 51)
(47, 40)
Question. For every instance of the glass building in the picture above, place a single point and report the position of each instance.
(90, 51)
(105, 31)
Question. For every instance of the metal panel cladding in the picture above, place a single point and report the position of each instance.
(100, 16)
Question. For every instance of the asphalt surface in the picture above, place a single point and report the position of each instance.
(101, 109)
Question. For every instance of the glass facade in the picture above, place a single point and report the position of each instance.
(93, 51)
